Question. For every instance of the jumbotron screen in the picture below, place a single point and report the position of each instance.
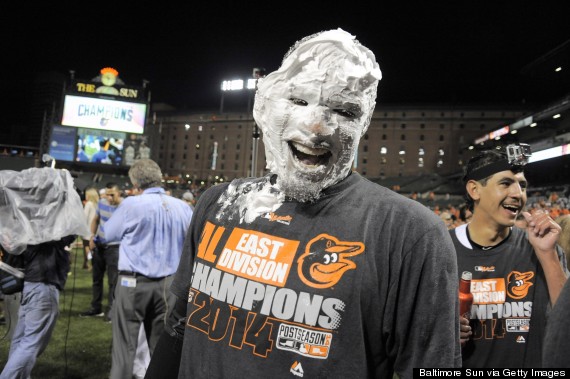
(96, 146)
(103, 114)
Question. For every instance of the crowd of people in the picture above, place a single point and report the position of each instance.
(456, 213)
(312, 270)
(138, 277)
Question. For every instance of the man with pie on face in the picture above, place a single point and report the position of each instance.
(312, 270)
(517, 274)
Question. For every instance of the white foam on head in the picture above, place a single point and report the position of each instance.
(330, 70)
(303, 106)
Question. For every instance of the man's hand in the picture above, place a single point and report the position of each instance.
(543, 231)
(464, 330)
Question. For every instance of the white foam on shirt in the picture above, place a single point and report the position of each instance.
(249, 200)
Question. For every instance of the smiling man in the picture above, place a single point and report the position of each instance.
(313, 112)
(517, 273)
(312, 271)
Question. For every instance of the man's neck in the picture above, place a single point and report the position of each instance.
(486, 233)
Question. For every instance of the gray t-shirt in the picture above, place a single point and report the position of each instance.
(358, 284)
(510, 301)
(557, 338)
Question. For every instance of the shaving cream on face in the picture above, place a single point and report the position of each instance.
(313, 111)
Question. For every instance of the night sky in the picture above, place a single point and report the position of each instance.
(462, 52)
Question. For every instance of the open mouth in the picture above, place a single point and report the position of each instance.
(511, 208)
(310, 156)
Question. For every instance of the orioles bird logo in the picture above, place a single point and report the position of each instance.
(518, 284)
(326, 259)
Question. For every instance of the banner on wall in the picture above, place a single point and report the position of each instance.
(103, 114)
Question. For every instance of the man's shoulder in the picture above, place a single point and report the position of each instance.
(105, 206)
(137, 200)
(128, 200)
(178, 202)
(459, 237)
(386, 202)
(385, 194)
(519, 237)
(217, 189)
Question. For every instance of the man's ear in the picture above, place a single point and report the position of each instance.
(473, 188)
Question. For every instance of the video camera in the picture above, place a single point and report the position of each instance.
(518, 154)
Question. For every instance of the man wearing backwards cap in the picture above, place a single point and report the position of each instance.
(312, 271)
(517, 273)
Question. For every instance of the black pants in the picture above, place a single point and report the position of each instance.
(105, 258)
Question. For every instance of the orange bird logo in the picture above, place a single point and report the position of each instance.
(519, 284)
(326, 259)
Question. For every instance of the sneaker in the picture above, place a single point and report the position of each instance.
(92, 313)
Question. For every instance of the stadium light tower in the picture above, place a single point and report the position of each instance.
(258, 73)
(251, 86)
(235, 85)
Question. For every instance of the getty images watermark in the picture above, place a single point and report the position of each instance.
(491, 373)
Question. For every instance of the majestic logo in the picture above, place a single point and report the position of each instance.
(519, 284)
(520, 339)
(281, 219)
(296, 369)
(485, 268)
(326, 260)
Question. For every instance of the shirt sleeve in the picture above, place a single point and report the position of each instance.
(181, 283)
(557, 335)
(427, 310)
(114, 228)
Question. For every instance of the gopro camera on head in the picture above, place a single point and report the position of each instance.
(518, 154)
(517, 158)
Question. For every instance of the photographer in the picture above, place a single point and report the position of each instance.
(40, 216)
(13, 296)
(45, 272)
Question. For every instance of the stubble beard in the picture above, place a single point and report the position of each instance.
(299, 188)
